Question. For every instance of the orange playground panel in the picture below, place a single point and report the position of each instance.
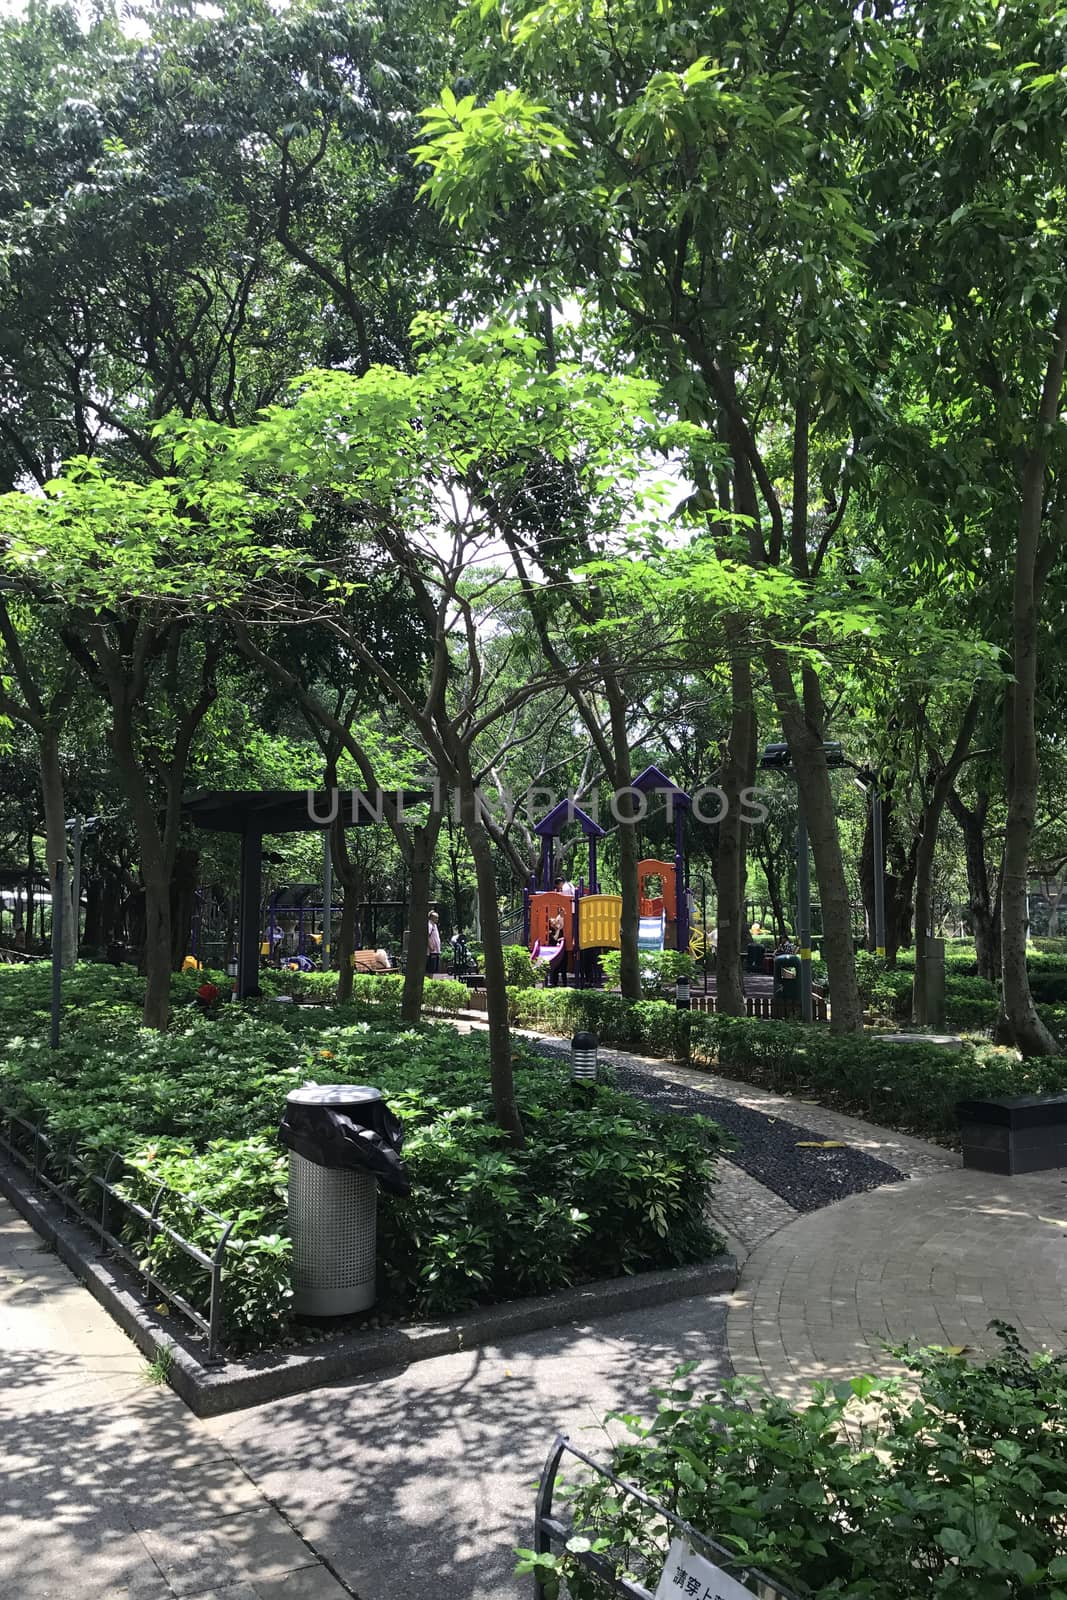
(543, 907)
(657, 904)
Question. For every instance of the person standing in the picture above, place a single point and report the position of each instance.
(433, 946)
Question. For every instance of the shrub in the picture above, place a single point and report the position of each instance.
(959, 1492)
(521, 971)
(657, 967)
(652, 1027)
(1049, 987)
(446, 995)
(913, 1086)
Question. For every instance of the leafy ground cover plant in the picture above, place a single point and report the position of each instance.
(601, 1187)
(953, 1485)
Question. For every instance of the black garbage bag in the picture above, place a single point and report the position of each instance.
(358, 1132)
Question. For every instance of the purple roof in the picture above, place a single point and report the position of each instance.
(558, 818)
(653, 781)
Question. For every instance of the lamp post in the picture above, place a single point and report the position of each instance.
(868, 782)
(778, 758)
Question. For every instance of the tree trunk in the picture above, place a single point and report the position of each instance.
(984, 903)
(1029, 1032)
(346, 939)
(424, 843)
(346, 875)
(927, 849)
(157, 950)
(55, 827)
(867, 882)
(183, 881)
(736, 773)
(505, 1107)
(155, 874)
(804, 736)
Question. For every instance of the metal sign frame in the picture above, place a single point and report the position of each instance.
(549, 1529)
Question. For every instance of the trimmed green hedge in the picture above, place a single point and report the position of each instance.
(649, 1027)
(914, 1086)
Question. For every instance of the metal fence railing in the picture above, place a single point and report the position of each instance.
(551, 1530)
(63, 1172)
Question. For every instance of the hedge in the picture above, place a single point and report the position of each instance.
(914, 1086)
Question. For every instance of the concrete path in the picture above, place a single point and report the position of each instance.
(110, 1488)
(423, 1480)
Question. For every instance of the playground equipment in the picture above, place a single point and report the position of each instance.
(591, 920)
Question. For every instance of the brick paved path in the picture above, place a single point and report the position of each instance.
(934, 1260)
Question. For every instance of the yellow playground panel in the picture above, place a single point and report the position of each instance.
(600, 921)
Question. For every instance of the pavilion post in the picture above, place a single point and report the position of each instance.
(249, 929)
(592, 866)
(327, 901)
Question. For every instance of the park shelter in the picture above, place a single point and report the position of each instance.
(251, 813)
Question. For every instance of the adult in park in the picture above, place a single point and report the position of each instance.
(433, 946)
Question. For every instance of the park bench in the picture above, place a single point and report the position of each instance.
(1013, 1134)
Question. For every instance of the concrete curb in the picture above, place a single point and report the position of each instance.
(213, 1391)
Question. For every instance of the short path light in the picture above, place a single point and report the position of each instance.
(583, 1058)
(682, 999)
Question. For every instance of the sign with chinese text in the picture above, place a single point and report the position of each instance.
(688, 1576)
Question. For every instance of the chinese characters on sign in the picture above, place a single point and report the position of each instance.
(688, 1576)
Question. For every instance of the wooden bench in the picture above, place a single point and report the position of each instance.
(1013, 1134)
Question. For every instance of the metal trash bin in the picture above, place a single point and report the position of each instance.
(786, 984)
(333, 1218)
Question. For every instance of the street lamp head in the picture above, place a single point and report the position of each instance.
(776, 757)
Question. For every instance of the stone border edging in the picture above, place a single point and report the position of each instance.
(214, 1391)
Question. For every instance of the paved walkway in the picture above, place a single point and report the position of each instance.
(110, 1488)
(422, 1480)
(934, 1261)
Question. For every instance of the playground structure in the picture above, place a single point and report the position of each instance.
(592, 921)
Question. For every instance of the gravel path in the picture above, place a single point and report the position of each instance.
(783, 1156)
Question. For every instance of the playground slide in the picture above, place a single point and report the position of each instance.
(554, 954)
(650, 933)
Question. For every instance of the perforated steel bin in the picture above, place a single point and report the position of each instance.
(333, 1215)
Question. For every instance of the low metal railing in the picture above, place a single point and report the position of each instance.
(549, 1530)
(60, 1171)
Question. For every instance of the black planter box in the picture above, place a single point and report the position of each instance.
(1013, 1134)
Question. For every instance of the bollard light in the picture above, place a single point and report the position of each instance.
(682, 998)
(583, 1058)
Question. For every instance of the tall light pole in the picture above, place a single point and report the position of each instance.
(868, 782)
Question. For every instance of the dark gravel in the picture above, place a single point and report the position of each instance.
(767, 1147)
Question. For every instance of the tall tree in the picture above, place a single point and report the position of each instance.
(698, 176)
